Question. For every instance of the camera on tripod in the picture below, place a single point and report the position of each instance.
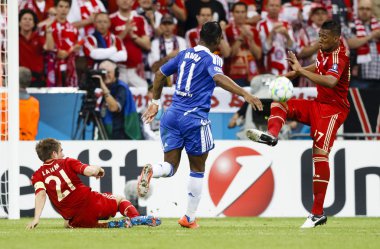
(91, 82)
(88, 113)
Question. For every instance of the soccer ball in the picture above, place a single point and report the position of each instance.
(281, 89)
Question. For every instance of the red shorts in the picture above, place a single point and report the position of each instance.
(324, 120)
(99, 207)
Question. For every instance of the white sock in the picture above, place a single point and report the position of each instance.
(194, 193)
(164, 169)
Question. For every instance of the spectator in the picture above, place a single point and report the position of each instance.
(61, 68)
(364, 37)
(102, 44)
(174, 7)
(338, 10)
(32, 45)
(121, 119)
(276, 38)
(193, 7)
(192, 35)
(245, 47)
(307, 41)
(131, 28)
(152, 17)
(29, 107)
(40, 7)
(51, 14)
(166, 46)
(253, 16)
(81, 16)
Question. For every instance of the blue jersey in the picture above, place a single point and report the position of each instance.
(195, 68)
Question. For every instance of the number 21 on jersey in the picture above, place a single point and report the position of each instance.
(58, 186)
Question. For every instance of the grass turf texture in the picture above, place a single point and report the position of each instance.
(226, 233)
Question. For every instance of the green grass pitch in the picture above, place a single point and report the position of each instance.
(229, 233)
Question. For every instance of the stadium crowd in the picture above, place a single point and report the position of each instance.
(61, 40)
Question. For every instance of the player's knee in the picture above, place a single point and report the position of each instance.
(282, 105)
(319, 151)
(119, 199)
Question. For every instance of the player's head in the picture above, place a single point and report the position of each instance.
(211, 34)
(25, 77)
(49, 148)
(112, 71)
(102, 22)
(27, 20)
(329, 36)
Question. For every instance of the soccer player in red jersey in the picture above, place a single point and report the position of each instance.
(75, 202)
(325, 114)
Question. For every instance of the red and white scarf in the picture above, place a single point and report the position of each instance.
(364, 55)
(86, 13)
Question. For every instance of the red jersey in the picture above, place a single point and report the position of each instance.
(134, 51)
(337, 64)
(192, 37)
(242, 65)
(32, 5)
(31, 52)
(60, 179)
(65, 35)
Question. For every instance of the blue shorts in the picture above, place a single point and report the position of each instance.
(179, 130)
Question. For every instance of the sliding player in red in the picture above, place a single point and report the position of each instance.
(58, 179)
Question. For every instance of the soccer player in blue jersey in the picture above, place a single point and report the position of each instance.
(185, 123)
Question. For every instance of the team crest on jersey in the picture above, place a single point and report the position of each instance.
(334, 68)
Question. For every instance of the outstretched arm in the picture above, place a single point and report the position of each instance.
(293, 74)
(95, 171)
(228, 84)
(158, 84)
(323, 80)
(40, 200)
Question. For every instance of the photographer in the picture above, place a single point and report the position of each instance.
(118, 108)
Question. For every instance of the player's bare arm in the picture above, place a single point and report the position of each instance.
(95, 171)
(229, 85)
(152, 110)
(40, 200)
(293, 74)
(323, 80)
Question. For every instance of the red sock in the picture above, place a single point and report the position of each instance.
(277, 118)
(320, 181)
(127, 209)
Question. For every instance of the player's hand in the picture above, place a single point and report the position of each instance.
(293, 61)
(149, 115)
(254, 102)
(32, 224)
(101, 173)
